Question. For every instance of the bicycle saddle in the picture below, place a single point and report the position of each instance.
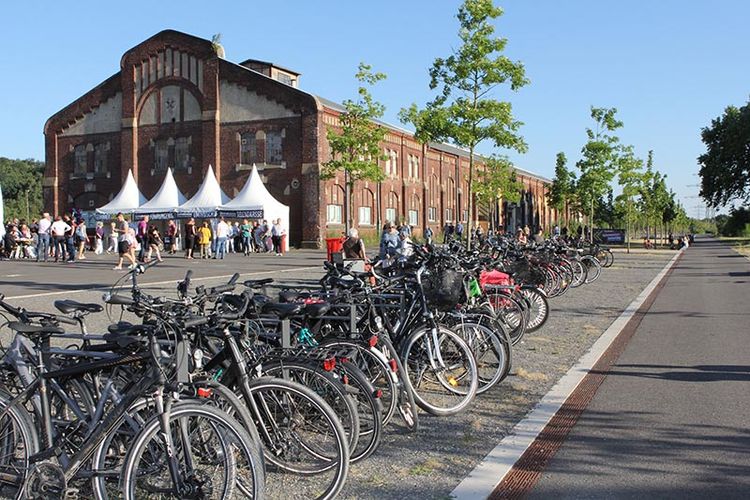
(69, 306)
(34, 330)
(257, 283)
(318, 309)
(282, 311)
(126, 328)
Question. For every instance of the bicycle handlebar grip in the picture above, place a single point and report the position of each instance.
(120, 300)
(222, 289)
(196, 321)
(234, 279)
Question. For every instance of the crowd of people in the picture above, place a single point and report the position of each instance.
(66, 238)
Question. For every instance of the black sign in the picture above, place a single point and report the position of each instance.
(609, 236)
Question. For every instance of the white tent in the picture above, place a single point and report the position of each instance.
(2, 214)
(207, 200)
(127, 200)
(254, 201)
(165, 201)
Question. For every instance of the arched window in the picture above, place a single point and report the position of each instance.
(392, 206)
(450, 200)
(413, 214)
(366, 208)
(335, 206)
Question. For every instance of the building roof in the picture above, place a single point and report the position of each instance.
(267, 63)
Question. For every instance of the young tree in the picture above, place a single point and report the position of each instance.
(21, 182)
(563, 187)
(630, 179)
(600, 159)
(496, 178)
(725, 166)
(465, 112)
(355, 149)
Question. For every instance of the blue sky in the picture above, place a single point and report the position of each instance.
(668, 66)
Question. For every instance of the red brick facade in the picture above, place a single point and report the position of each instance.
(176, 104)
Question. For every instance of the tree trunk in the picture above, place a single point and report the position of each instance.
(348, 205)
(591, 222)
(627, 226)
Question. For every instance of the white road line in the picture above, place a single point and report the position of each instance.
(491, 471)
(142, 285)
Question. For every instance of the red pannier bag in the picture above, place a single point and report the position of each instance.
(494, 278)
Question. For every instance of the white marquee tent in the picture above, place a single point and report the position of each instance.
(254, 201)
(207, 200)
(127, 200)
(165, 201)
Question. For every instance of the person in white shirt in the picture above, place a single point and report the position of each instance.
(222, 232)
(42, 245)
(58, 230)
(277, 232)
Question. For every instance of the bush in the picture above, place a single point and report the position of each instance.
(736, 224)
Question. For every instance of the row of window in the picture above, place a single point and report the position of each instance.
(173, 153)
(88, 158)
(261, 147)
(334, 215)
(391, 164)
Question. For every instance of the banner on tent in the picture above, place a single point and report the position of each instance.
(244, 214)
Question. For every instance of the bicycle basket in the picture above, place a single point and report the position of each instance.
(445, 289)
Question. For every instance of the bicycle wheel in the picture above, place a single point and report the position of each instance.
(201, 445)
(539, 311)
(406, 405)
(488, 351)
(374, 364)
(441, 369)
(18, 441)
(593, 268)
(304, 443)
(326, 385)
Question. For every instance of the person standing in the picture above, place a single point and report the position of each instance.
(204, 239)
(99, 238)
(428, 235)
(459, 230)
(247, 231)
(190, 234)
(141, 236)
(222, 233)
(70, 244)
(81, 238)
(276, 234)
(43, 229)
(389, 242)
(58, 230)
(112, 237)
(171, 241)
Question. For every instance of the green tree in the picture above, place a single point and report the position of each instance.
(600, 159)
(725, 166)
(465, 111)
(630, 179)
(21, 182)
(496, 178)
(563, 186)
(355, 148)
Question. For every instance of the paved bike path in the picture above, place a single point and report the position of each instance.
(672, 418)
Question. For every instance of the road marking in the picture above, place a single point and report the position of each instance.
(142, 285)
(481, 481)
(13, 275)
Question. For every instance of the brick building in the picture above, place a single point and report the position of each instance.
(176, 103)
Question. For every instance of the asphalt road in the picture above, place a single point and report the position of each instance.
(672, 418)
(27, 279)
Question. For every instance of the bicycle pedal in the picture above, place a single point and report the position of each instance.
(72, 494)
